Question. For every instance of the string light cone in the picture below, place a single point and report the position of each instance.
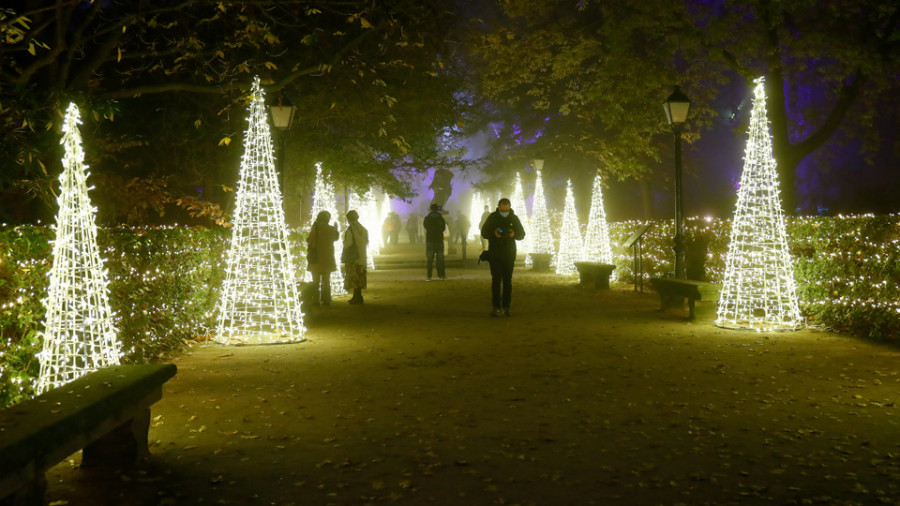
(596, 238)
(758, 289)
(475, 210)
(324, 200)
(542, 239)
(79, 335)
(260, 301)
(517, 202)
(570, 243)
(384, 209)
(368, 217)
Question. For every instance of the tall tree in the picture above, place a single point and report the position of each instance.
(589, 76)
(372, 79)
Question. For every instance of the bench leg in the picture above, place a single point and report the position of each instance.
(691, 308)
(29, 494)
(124, 445)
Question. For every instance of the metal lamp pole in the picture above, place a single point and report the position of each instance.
(677, 107)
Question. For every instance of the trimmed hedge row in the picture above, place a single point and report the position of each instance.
(164, 281)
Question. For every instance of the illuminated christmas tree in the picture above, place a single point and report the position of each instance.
(79, 335)
(542, 238)
(324, 200)
(570, 242)
(517, 202)
(260, 301)
(596, 240)
(368, 217)
(384, 208)
(475, 210)
(758, 290)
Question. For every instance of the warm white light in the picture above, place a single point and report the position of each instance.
(517, 203)
(542, 238)
(367, 209)
(570, 243)
(324, 200)
(758, 290)
(596, 239)
(476, 208)
(259, 301)
(79, 335)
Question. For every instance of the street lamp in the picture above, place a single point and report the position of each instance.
(282, 118)
(677, 107)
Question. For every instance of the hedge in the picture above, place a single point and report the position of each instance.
(164, 281)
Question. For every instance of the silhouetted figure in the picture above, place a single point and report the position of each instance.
(502, 229)
(356, 237)
(412, 227)
(320, 256)
(434, 241)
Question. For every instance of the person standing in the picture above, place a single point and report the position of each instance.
(434, 241)
(462, 231)
(484, 217)
(502, 229)
(320, 256)
(395, 227)
(412, 227)
(353, 256)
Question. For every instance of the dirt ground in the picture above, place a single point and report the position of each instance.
(581, 397)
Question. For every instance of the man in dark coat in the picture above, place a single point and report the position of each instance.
(434, 241)
(502, 229)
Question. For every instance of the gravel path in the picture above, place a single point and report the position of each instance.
(581, 397)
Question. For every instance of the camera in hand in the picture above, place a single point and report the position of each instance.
(499, 230)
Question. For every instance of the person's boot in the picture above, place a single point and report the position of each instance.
(357, 297)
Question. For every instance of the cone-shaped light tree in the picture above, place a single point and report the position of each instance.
(79, 334)
(384, 209)
(758, 290)
(596, 239)
(517, 202)
(368, 216)
(542, 238)
(570, 243)
(324, 199)
(475, 210)
(260, 301)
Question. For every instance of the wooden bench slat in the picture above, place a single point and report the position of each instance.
(38, 433)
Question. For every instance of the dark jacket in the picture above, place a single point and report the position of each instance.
(434, 227)
(503, 246)
(321, 237)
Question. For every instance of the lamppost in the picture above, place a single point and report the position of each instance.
(282, 118)
(677, 107)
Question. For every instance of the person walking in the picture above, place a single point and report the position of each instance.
(353, 256)
(502, 229)
(434, 241)
(484, 217)
(320, 256)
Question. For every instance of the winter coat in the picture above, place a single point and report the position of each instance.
(357, 233)
(321, 237)
(503, 246)
(434, 227)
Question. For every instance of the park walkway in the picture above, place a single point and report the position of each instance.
(581, 397)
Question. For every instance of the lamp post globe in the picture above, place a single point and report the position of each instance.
(282, 119)
(677, 107)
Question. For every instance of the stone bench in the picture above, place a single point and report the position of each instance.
(673, 289)
(594, 273)
(106, 413)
